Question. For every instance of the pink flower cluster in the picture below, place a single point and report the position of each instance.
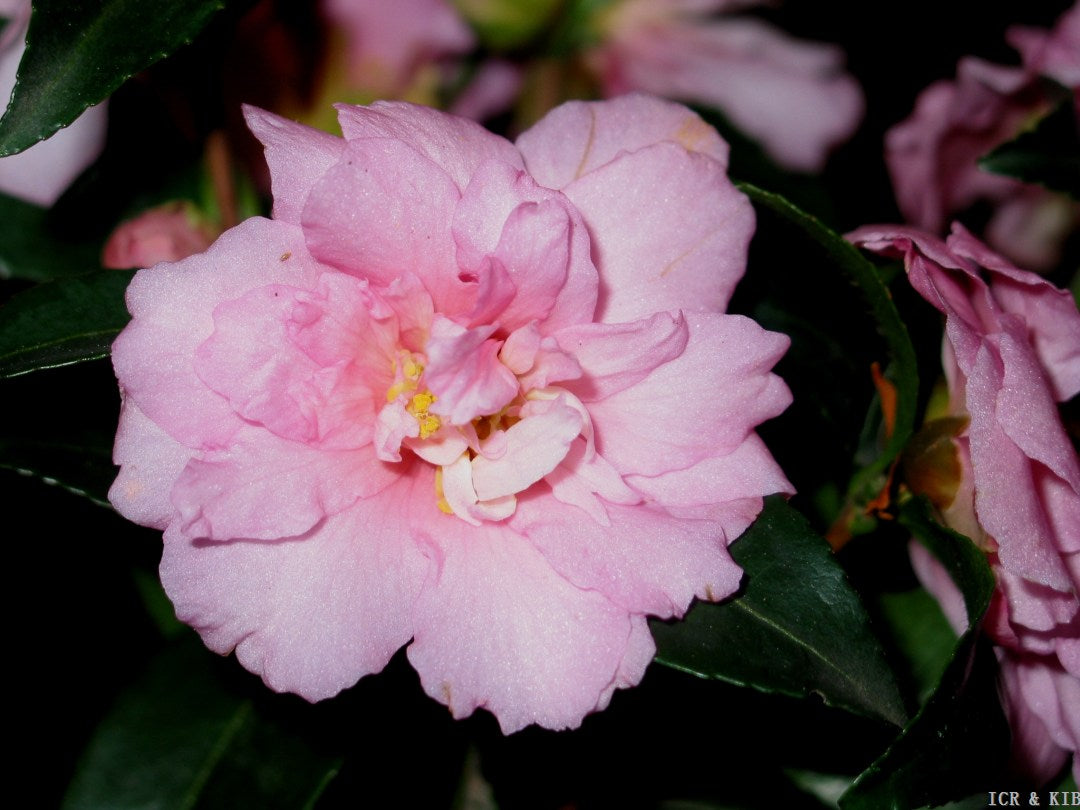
(478, 395)
(1011, 353)
(933, 155)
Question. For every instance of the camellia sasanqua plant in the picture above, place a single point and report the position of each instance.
(491, 404)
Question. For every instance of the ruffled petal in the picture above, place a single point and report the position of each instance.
(458, 145)
(703, 403)
(150, 461)
(223, 495)
(646, 561)
(499, 629)
(685, 249)
(310, 615)
(579, 137)
(172, 313)
(297, 157)
(384, 210)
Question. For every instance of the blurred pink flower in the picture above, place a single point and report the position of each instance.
(387, 42)
(933, 155)
(44, 171)
(166, 233)
(792, 96)
(1011, 353)
(470, 393)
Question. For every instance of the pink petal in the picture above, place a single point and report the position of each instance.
(616, 356)
(297, 157)
(534, 447)
(383, 211)
(683, 249)
(253, 361)
(791, 95)
(538, 237)
(646, 561)
(732, 485)
(1035, 753)
(499, 629)
(703, 403)
(588, 482)
(310, 615)
(150, 461)
(464, 372)
(171, 307)
(223, 495)
(457, 145)
(1006, 499)
(578, 137)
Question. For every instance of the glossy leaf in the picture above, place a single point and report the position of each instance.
(797, 628)
(79, 51)
(903, 368)
(31, 250)
(180, 737)
(62, 322)
(1048, 153)
(958, 742)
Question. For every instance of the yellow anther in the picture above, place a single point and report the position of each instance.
(412, 369)
(418, 407)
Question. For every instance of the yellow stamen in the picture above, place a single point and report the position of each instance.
(440, 498)
(418, 407)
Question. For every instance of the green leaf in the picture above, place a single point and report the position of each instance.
(80, 51)
(1047, 154)
(31, 250)
(922, 634)
(62, 322)
(903, 369)
(82, 465)
(797, 628)
(958, 742)
(179, 737)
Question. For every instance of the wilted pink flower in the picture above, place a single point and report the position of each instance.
(42, 173)
(470, 393)
(1012, 351)
(166, 233)
(387, 42)
(933, 155)
(792, 96)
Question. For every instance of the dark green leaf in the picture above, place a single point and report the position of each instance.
(180, 738)
(79, 464)
(80, 51)
(62, 322)
(922, 634)
(1048, 153)
(797, 628)
(958, 742)
(903, 370)
(31, 250)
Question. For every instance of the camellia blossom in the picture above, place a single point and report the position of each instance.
(44, 171)
(1011, 353)
(475, 394)
(792, 96)
(933, 154)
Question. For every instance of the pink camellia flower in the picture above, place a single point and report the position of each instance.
(1012, 351)
(167, 233)
(387, 42)
(933, 155)
(792, 96)
(43, 172)
(475, 394)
